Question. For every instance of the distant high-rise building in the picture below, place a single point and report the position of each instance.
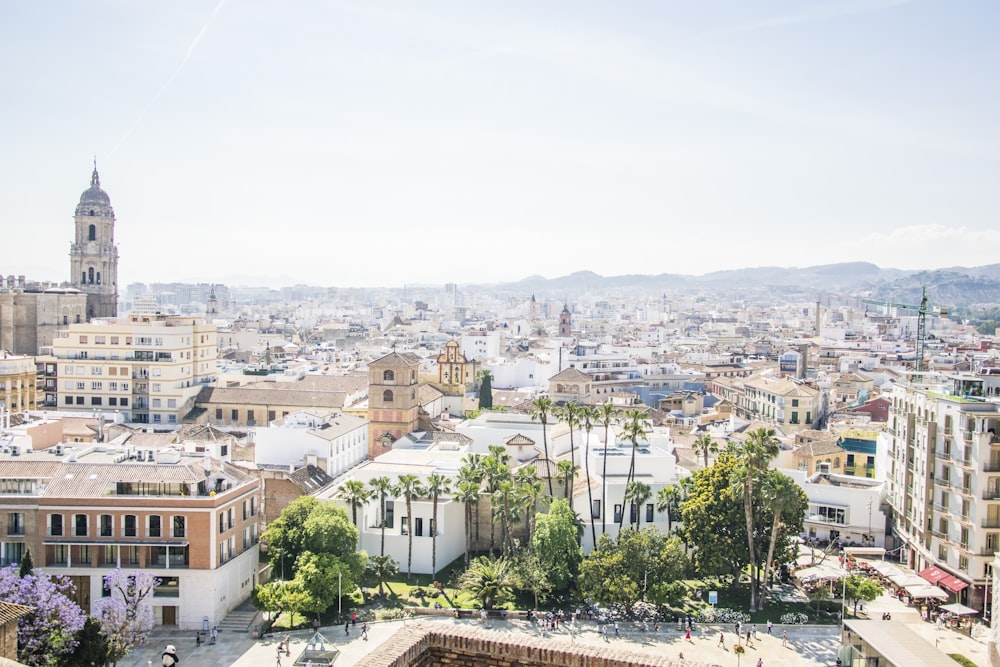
(94, 255)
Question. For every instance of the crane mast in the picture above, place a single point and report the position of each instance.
(922, 309)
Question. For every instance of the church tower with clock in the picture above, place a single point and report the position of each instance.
(93, 256)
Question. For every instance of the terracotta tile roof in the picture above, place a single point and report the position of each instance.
(571, 375)
(396, 359)
(11, 612)
(274, 394)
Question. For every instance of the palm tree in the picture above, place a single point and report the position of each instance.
(494, 472)
(587, 417)
(566, 472)
(541, 407)
(635, 429)
(468, 495)
(506, 496)
(637, 493)
(437, 485)
(489, 580)
(783, 497)
(704, 445)
(382, 568)
(382, 486)
(570, 413)
(753, 455)
(408, 486)
(606, 416)
(668, 500)
(356, 494)
(530, 494)
(472, 471)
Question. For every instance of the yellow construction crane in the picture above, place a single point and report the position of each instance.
(922, 309)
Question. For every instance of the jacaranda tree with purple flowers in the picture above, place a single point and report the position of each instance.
(126, 615)
(48, 632)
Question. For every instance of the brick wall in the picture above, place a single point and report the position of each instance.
(427, 645)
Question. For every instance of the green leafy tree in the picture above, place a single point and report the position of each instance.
(620, 571)
(383, 488)
(308, 525)
(437, 486)
(858, 588)
(531, 575)
(605, 415)
(541, 409)
(713, 524)
(327, 577)
(485, 390)
(489, 580)
(556, 546)
(92, 649)
(819, 594)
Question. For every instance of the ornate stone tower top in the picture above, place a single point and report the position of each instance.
(565, 322)
(93, 254)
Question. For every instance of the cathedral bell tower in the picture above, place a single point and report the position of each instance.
(93, 257)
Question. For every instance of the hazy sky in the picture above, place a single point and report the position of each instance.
(382, 143)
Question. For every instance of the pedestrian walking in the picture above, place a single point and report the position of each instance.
(748, 638)
(347, 628)
(754, 626)
(737, 629)
(197, 640)
(687, 635)
(354, 619)
(722, 639)
(784, 637)
(277, 662)
(617, 632)
(769, 625)
(364, 631)
(760, 662)
(288, 644)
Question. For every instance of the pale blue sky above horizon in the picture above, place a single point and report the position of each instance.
(387, 143)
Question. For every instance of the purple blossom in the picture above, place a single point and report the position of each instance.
(126, 615)
(49, 631)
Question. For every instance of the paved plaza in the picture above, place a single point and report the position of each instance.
(806, 645)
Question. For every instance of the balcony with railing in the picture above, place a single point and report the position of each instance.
(991, 523)
(943, 534)
(991, 494)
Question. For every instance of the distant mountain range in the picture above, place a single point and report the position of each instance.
(954, 286)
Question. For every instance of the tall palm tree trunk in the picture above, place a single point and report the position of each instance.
(590, 493)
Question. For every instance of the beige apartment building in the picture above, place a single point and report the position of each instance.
(944, 484)
(148, 367)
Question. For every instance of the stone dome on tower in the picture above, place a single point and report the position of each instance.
(94, 200)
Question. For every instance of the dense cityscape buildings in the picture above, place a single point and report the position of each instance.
(166, 436)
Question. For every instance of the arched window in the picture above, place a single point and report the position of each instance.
(92, 211)
(388, 376)
(92, 232)
(387, 396)
(90, 275)
(83, 278)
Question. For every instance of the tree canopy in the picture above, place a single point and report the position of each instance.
(310, 525)
(48, 632)
(555, 544)
(622, 571)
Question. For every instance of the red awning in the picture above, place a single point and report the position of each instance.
(936, 575)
